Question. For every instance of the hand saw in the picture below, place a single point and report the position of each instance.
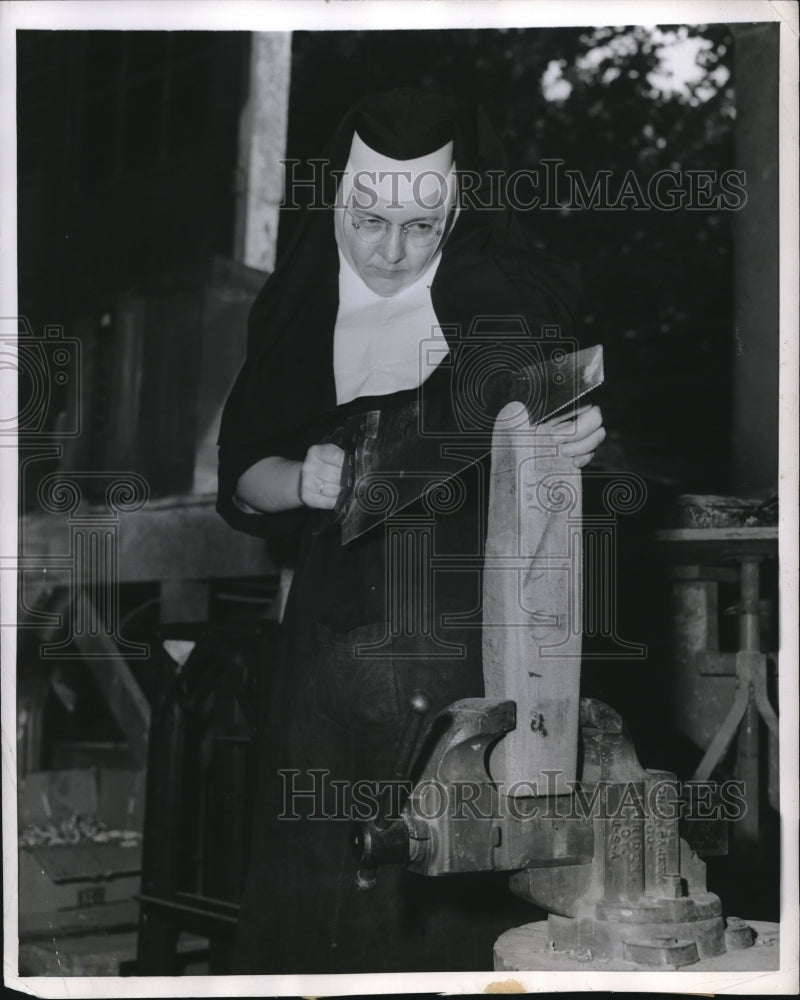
(393, 458)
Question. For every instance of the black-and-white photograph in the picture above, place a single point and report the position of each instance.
(399, 442)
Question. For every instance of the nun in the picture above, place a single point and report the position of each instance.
(370, 307)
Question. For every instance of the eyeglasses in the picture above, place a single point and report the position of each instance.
(371, 229)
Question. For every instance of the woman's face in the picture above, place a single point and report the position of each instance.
(394, 262)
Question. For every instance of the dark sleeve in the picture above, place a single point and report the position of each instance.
(235, 460)
(241, 445)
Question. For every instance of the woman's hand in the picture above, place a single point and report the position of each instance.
(578, 435)
(320, 476)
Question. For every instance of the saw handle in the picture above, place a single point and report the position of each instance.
(347, 438)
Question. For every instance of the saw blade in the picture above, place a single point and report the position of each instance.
(394, 458)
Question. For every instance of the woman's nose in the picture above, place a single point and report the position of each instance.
(393, 245)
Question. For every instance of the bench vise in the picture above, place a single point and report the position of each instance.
(605, 860)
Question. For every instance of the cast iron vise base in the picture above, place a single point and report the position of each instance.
(645, 932)
(528, 948)
(643, 897)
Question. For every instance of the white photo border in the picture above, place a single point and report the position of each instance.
(317, 15)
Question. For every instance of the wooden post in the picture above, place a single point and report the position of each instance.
(262, 145)
(755, 371)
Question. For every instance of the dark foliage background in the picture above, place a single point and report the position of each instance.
(657, 284)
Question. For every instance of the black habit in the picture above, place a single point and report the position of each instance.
(336, 717)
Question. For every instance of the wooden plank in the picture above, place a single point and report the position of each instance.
(703, 546)
(716, 535)
(532, 606)
(170, 539)
(80, 920)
